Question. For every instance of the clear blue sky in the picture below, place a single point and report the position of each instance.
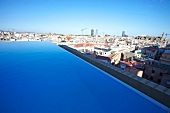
(136, 17)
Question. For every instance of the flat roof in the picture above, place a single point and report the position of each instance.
(41, 77)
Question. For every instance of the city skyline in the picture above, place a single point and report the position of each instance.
(135, 17)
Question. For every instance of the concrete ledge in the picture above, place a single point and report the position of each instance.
(168, 92)
(161, 88)
(144, 81)
(131, 75)
(137, 78)
(152, 84)
(153, 90)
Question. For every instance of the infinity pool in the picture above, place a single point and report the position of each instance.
(40, 77)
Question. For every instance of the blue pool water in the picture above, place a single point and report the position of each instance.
(40, 77)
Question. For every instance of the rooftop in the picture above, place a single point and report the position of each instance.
(42, 77)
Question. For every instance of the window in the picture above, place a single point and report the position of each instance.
(153, 71)
(151, 78)
(159, 81)
(161, 74)
(168, 82)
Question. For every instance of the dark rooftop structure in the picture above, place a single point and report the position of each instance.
(41, 77)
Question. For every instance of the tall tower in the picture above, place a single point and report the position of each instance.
(123, 33)
(92, 32)
(96, 32)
